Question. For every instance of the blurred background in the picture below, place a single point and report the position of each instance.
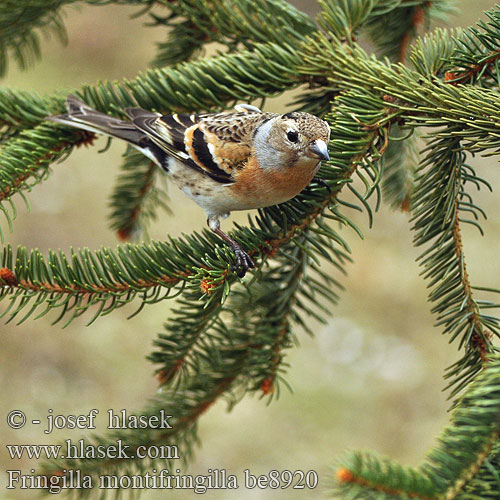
(369, 379)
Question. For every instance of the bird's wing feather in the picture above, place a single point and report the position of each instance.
(170, 133)
(215, 144)
(235, 127)
(229, 138)
(172, 142)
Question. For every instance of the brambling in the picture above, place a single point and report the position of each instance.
(223, 161)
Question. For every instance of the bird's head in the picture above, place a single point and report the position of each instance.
(301, 135)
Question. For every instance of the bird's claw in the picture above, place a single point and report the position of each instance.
(323, 183)
(243, 262)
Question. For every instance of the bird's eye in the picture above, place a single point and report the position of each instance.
(292, 136)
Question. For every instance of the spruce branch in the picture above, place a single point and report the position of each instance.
(111, 279)
(284, 291)
(461, 462)
(20, 26)
(235, 24)
(399, 27)
(193, 319)
(484, 483)
(410, 97)
(214, 83)
(476, 56)
(439, 203)
(219, 360)
(25, 162)
(349, 66)
(431, 51)
(400, 164)
(21, 110)
(185, 406)
(135, 199)
(391, 24)
(227, 352)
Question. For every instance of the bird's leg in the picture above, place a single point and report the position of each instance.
(243, 260)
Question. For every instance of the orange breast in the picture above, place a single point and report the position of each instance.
(260, 187)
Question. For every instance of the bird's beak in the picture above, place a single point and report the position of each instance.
(320, 149)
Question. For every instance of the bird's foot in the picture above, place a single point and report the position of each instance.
(243, 261)
(323, 183)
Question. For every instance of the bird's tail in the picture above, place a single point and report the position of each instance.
(81, 116)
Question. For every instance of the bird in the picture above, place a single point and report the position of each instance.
(237, 160)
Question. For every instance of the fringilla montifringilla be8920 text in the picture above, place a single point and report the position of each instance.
(223, 161)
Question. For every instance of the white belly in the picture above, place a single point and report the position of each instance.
(210, 195)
